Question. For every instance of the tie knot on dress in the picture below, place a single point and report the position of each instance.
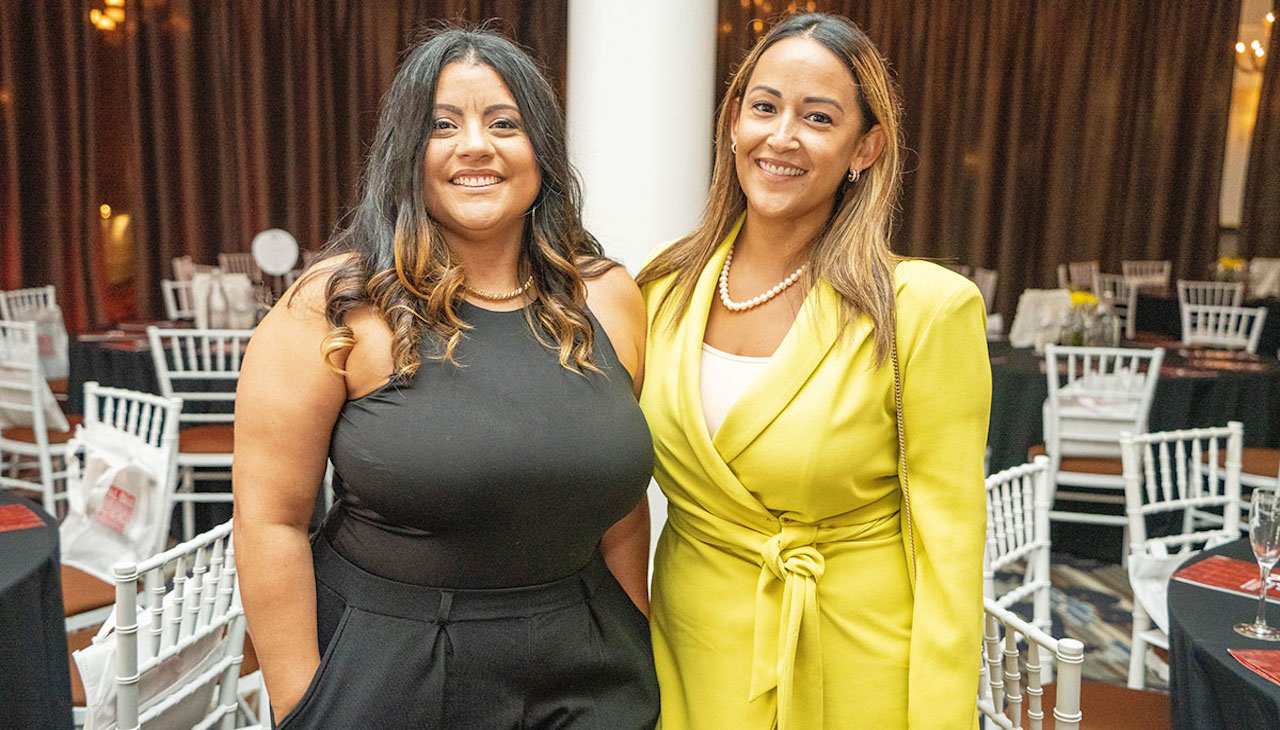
(792, 552)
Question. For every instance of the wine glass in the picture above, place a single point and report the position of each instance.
(1264, 535)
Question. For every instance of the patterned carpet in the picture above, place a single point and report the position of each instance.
(1091, 601)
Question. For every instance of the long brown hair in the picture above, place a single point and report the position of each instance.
(401, 264)
(851, 252)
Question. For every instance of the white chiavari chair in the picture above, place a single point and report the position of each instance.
(174, 659)
(1018, 505)
(123, 426)
(184, 269)
(33, 430)
(1095, 394)
(18, 302)
(1222, 326)
(1077, 274)
(179, 302)
(1124, 300)
(31, 305)
(1011, 701)
(240, 263)
(1214, 293)
(1176, 472)
(1148, 275)
(201, 366)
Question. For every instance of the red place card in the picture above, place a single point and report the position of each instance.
(1226, 574)
(1264, 662)
(18, 517)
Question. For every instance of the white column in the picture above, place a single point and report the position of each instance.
(640, 108)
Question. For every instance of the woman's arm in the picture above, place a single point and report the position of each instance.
(615, 300)
(946, 403)
(286, 404)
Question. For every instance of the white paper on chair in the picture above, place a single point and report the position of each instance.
(1264, 278)
(200, 284)
(97, 666)
(242, 306)
(1086, 406)
(117, 505)
(54, 418)
(1039, 310)
(51, 339)
(1149, 577)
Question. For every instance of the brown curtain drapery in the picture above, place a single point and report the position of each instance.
(48, 208)
(1046, 131)
(257, 114)
(1260, 218)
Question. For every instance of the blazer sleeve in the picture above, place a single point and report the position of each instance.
(946, 405)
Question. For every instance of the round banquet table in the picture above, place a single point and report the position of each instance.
(1189, 394)
(1209, 688)
(124, 360)
(35, 673)
(1186, 397)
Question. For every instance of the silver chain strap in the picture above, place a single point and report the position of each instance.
(902, 457)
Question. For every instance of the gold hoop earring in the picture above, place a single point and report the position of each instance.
(853, 176)
(734, 147)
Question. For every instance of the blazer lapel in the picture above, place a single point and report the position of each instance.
(803, 349)
(688, 357)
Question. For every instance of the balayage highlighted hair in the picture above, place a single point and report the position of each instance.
(851, 252)
(398, 260)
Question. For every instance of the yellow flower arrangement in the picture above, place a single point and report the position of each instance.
(1231, 263)
(1083, 298)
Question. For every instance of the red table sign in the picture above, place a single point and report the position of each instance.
(1264, 662)
(18, 517)
(1229, 575)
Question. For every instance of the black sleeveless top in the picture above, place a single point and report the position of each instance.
(503, 472)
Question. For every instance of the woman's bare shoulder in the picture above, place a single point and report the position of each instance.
(615, 300)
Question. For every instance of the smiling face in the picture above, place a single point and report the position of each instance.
(480, 169)
(799, 130)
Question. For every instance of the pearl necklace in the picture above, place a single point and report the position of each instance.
(500, 297)
(756, 301)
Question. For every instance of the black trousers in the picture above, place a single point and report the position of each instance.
(574, 653)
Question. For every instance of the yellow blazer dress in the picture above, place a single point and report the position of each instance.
(783, 586)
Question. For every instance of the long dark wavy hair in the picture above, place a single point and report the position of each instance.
(397, 258)
(851, 252)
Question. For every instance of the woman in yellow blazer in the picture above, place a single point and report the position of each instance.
(821, 564)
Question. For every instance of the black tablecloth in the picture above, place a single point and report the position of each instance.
(1208, 688)
(35, 675)
(121, 364)
(110, 364)
(1161, 315)
(1019, 389)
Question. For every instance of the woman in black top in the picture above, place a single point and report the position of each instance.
(469, 361)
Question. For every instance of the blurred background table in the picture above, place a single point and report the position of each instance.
(35, 675)
(1159, 314)
(118, 359)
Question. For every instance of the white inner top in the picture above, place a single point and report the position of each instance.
(725, 378)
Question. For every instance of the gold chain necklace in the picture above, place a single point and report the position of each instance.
(495, 297)
(756, 301)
